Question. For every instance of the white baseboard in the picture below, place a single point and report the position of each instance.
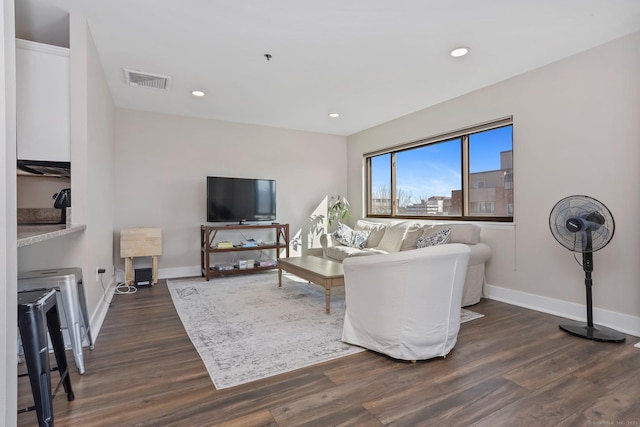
(168, 273)
(621, 322)
(100, 313)
(174, 273)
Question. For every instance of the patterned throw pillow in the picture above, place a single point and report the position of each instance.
(439, 238)
(348, 237)
(344, 234)
(360, 239)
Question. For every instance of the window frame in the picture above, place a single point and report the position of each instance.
(463, 135)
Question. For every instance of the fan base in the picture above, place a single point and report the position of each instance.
(595, 332)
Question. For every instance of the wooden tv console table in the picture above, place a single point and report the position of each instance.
(208, 246)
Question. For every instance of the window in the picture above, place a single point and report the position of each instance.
(466, 175)
(425, 178)
(380, 185)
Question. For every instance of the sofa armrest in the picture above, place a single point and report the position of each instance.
(386, 262)
(326, 240)
(480, 253)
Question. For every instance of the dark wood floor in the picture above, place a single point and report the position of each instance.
(513, 367)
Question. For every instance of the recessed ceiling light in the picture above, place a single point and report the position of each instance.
(197, 93)
(334, 115)
(459, 51)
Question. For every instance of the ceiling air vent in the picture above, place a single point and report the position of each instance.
(141, 78)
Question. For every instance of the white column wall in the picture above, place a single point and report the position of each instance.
(8, 251)
(91, 179)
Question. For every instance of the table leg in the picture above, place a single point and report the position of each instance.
(155, 270)
(128, 269)
(279, 277)
(328, 299)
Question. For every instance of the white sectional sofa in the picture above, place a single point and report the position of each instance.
(379, 238)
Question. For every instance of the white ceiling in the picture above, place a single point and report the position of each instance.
(369, 60)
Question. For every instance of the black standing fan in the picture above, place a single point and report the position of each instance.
(583, 224)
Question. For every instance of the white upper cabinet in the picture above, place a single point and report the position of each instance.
(42, 110)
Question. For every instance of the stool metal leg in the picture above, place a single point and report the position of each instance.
(69, 297)
(53, 323)
(31, 323)
(84, 313)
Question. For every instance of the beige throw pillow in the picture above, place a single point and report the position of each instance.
(376, 231)
(410, 241)
(393, 236)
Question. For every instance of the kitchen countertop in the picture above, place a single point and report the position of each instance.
(30, 234)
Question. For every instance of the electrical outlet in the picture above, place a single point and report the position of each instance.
(99, 271)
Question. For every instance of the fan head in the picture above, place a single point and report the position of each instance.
(581, 224)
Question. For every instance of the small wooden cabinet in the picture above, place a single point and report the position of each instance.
(208, 247)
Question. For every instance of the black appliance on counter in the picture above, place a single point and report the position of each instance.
(62, 201)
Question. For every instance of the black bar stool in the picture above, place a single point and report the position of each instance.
(35, 309)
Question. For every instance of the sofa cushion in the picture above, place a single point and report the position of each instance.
(440, 238)
(376, 231)
(348, 237)
(393, 236)
(468, 234)
(369, 251)
(339, 253)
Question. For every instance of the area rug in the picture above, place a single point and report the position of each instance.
(246, 328)
(468, 315)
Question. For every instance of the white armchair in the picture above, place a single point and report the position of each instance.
(406, 304)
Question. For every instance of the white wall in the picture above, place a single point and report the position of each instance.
(162, 162)
(8, 251)
(576, 131)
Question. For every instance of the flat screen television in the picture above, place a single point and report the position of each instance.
(240, 199)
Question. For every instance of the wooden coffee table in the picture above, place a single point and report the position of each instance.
(320, 271)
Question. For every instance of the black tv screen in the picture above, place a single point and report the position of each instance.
(240, 199)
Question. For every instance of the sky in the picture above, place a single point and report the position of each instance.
(434, 170)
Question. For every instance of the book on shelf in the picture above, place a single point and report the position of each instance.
(223, 267)
(251, 243)
(266, 263)
(224, 244)
(246, 264)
